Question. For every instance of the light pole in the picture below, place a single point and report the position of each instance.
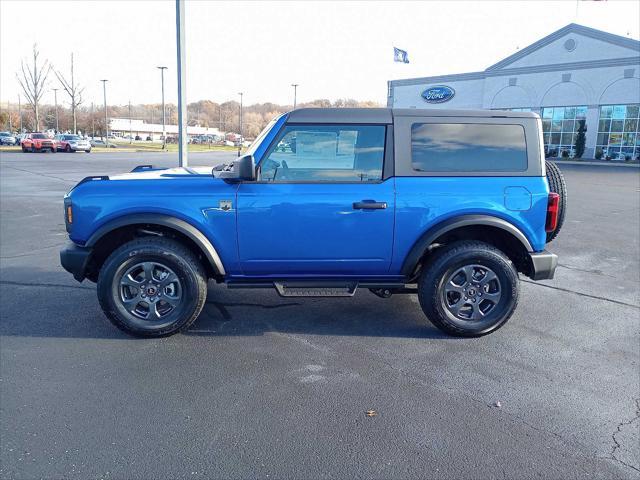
(183, 160)
(55, 96)
(106, 125)
(9, 112)
(130, 133)
(240, 113)
(93, 123)
(164, 132)
(295, 94)
(20, 112)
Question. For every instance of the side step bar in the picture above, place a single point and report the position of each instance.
(299, 289)
(316, 288)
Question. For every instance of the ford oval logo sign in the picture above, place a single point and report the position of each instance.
(438, 94)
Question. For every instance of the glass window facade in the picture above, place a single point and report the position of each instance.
(619, 132)
(560, 126)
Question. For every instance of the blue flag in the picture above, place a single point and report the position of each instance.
(400, 55)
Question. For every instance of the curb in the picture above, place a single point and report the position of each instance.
(604, 164)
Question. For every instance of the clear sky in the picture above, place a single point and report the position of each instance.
(332, 49)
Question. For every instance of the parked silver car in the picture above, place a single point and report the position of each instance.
(7, 138)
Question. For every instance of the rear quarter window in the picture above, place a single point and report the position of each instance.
(468, 147)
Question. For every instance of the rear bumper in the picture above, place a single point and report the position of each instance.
(74, 259)
(543, 265)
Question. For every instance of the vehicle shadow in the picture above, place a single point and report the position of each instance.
(57, 307)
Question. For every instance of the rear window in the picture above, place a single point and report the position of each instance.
(468, 147)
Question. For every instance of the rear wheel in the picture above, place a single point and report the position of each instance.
(152, 287)
(557, 185)
(469, 289)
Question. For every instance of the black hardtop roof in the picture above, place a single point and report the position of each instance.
(385, 115)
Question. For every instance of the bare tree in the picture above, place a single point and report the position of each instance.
(33, 83)
(74, 91)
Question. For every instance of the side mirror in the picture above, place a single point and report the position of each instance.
(242, 169)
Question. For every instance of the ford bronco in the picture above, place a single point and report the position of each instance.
(449, 205)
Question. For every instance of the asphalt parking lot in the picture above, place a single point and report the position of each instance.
(263, 386)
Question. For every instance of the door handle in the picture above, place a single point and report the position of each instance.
(369, 205)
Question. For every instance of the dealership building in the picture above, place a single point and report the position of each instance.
(576, 75)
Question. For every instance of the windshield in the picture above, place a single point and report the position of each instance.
(4, 134)
(254, 145)
(72, 137)
(38, 135)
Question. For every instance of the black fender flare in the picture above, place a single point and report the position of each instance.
(203, 243)
(427, 238)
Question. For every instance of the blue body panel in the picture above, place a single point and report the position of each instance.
(192, 198)
(313, 229)
(423, 202)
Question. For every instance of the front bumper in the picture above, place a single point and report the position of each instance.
(74, 259)
(543, 265)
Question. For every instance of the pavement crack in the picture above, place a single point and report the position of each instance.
(577, 269)
(39, 174)
(616, 443)
(46, 285)
(8, 257)
(582, 294)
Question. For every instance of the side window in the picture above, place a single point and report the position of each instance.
(468, 147)
(326, 153)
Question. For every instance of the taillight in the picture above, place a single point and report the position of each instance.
(553, 207)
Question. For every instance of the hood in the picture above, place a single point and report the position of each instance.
(163, 174)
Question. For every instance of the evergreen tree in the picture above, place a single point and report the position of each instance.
(581, 139)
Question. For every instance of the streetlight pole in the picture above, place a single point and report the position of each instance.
(295, 94)
(93, 123)
(240, 146)
(20, 112)
(130, 133)
(106, 125)
(55, 96)
(182, 90)
(164, 132)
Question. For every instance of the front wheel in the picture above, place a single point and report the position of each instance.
(152, 287)
(469, 289)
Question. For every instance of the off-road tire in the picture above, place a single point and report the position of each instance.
(557, 185)
(448, 260)
(164, 251)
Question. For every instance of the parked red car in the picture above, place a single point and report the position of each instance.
(37, 142)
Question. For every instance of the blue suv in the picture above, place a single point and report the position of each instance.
(449, 205)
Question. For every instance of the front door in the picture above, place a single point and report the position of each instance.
(320, 205)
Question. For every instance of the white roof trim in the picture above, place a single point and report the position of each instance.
(571, 28)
